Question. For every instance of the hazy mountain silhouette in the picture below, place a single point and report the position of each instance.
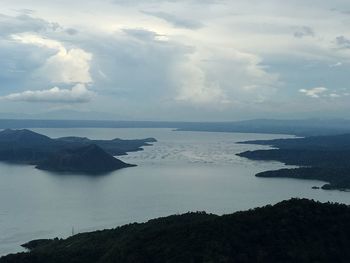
(301, 127)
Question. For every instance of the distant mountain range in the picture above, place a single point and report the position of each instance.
(307, 127)
(67, 154)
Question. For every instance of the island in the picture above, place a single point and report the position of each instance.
(324, 158)
(90, 159)
(296, 230)
(67, 154)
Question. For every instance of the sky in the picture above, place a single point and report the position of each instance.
(176, 60)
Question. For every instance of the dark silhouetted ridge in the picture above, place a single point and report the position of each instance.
(297, 230)
(90, 159)
(23, 136)
(324, 158)
(74, 154)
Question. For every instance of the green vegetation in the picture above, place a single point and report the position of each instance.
(297, 230)
(324, 158)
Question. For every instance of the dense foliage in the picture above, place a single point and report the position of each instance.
(297, 230)
(324, 158)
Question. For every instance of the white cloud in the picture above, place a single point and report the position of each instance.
(223, 76)
(220, 64)
(314, 92)
(334, 95)
(77, 94)
(338, 64)
(323, 92)
(66, 65)
(195, 87)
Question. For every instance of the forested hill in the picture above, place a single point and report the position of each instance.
(297, 230)
(324, 158)
(339, 142)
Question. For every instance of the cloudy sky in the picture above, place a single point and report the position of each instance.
(205, 60)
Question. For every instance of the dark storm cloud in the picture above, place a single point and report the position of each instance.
(24, 23)
(342, 42)
(304, 31)
(140, 33)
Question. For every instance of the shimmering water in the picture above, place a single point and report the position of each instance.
(183, 171)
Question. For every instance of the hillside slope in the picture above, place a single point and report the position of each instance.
(90, 159)
(297, 230)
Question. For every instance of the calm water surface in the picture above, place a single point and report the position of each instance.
(183, 171)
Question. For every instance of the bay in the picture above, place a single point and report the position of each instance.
(183, 171)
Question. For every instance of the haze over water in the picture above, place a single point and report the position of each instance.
(183, 171)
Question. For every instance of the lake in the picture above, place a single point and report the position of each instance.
(183, 171)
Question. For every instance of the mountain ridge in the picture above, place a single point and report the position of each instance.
(296, 230)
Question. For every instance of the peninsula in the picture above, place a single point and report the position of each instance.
(324, 158)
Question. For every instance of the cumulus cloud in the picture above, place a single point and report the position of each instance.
(314, 92)
(223, 76)
(77, 94)
(245, 52)
(194, 86)
(66, 65)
